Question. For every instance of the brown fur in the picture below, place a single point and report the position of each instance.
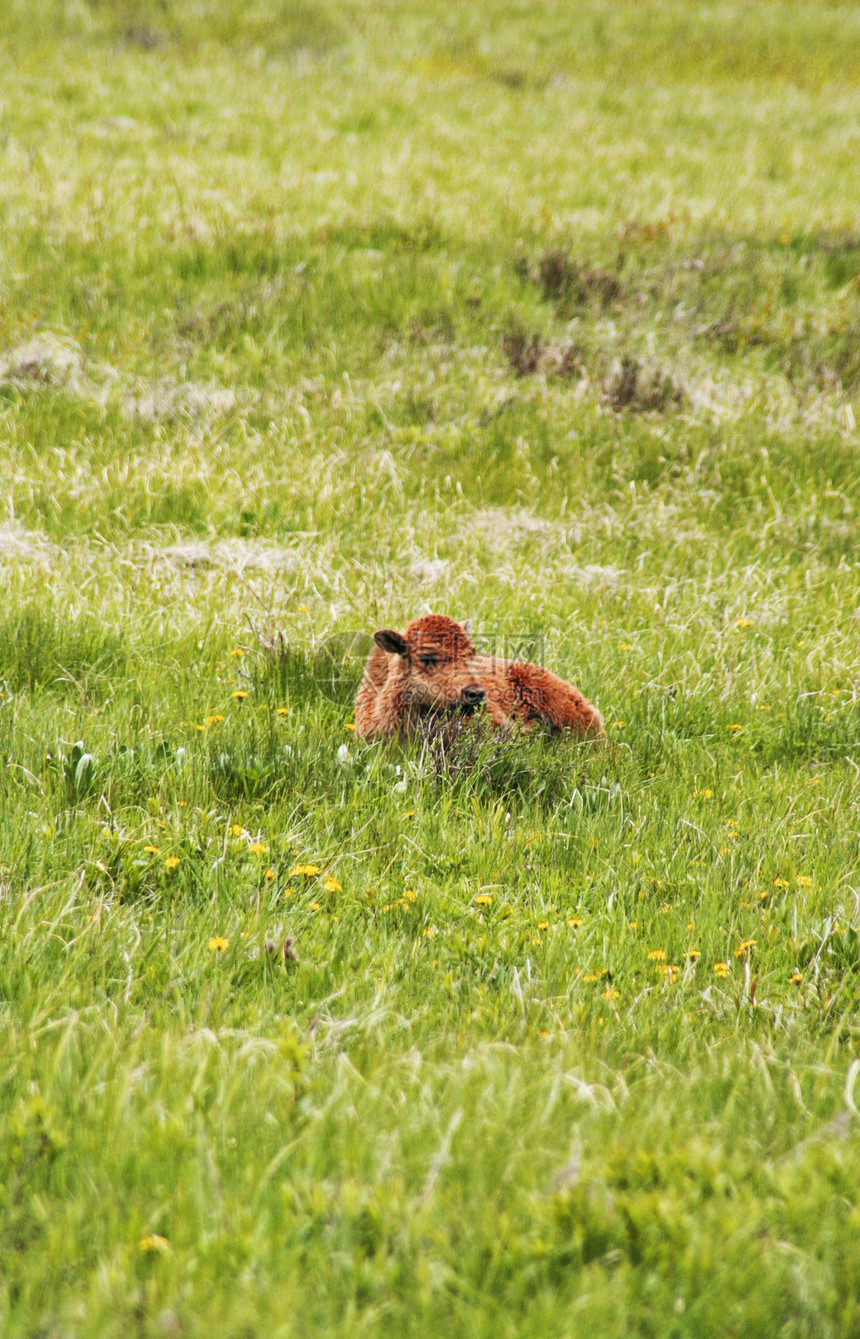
(532, 695)
(401, 691)
(425, 673)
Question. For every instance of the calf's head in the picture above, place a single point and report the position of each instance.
(436, 664)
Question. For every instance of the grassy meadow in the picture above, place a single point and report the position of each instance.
(315, 317)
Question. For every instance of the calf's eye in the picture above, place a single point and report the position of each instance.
(429, 661)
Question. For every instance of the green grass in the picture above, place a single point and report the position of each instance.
(314, 318)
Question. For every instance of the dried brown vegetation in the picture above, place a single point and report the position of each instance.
(522, 350)
(629, 385)
(570, 283)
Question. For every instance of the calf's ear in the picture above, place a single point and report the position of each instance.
(391, 642)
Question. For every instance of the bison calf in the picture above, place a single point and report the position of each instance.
(427, 673)
(432, 674)
(533, 695)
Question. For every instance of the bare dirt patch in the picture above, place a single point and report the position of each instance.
(595, 576)
(44, 362)
(504, 529)
(50, 362)
(19, 545)
(238, 555)
(429, 571)
(165, 400)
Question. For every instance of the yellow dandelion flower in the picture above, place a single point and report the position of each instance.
(656, 954)
(543, 925)
(258, 848)
(633, 924)
(795, 978)
(780, 883)
(724, 850)
(430, 932)
(171, 862)
(744, 947)
(200, 727)
(282, 711)
(735, 726)
(332, 886)
(618, 725)
(350, 725)
(303, 609)
(610, 993)
(721, 969)
(482, 899)
(574, 921)
(669, 970)
(240, 694)
(693, 954)
(151, 850)
(804, 881)
(591, 976)
(410, 895)
(215, 718)
(535, 939)
(410, 813)
(315, 906)
(690, 925)
(237, 829)
(310, 871)
(237, 652)
(154, 1243)
(271, 874)
(625, 646)
(744, 622)
(218, 943)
